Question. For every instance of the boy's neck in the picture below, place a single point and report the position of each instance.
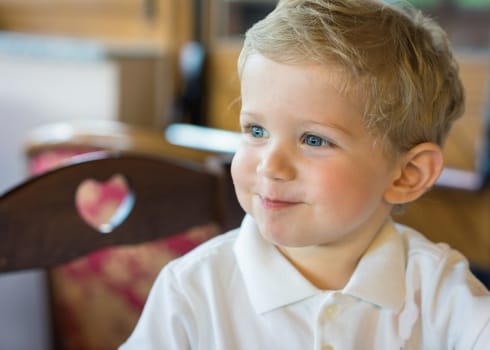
(329, 267)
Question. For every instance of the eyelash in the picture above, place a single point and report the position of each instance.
(313, 140)
(253, 130)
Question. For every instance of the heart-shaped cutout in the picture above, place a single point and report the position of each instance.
(104, 206)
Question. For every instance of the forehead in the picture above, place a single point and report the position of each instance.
(304, 84)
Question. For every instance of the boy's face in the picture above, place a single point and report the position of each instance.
(307, 170)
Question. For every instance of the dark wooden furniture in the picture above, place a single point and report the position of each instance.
(40, 226)
(176, 192)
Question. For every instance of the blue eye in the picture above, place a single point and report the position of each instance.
(257, 131)
(315, 141)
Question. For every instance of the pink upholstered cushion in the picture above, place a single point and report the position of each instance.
(99, 298)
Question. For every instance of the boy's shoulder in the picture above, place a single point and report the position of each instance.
(427, 256)
(436, 271)
(418, 244)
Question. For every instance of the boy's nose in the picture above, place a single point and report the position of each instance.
(276, 164)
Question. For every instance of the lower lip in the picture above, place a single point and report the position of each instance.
(271, 204)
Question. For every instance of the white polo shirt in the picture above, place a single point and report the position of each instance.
(238, 292)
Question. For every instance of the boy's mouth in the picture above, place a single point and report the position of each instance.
(274, 203)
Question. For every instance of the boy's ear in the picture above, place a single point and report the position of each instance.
(417, 171)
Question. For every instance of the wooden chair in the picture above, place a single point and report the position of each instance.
(41, 228)
(171, 189)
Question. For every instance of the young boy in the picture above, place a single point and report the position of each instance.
(345, 106)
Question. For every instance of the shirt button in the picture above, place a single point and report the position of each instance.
(329, 312)
(327, 347)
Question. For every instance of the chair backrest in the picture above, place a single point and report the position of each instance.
(101, 184)
(41, 227)
(467, 151)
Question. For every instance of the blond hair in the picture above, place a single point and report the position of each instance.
(398, 59)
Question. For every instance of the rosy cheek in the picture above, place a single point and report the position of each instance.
(238, 168)
(238, 172)
(243, 163)
(333, 185)
(243, 178)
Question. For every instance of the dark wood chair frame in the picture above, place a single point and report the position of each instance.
(41, 228)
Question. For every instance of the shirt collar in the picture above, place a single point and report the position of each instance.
(272, 282)
(379, 278)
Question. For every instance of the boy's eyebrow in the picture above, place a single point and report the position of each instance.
(244, 113)
(343, 130)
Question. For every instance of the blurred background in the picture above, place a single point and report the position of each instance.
(150, 63)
